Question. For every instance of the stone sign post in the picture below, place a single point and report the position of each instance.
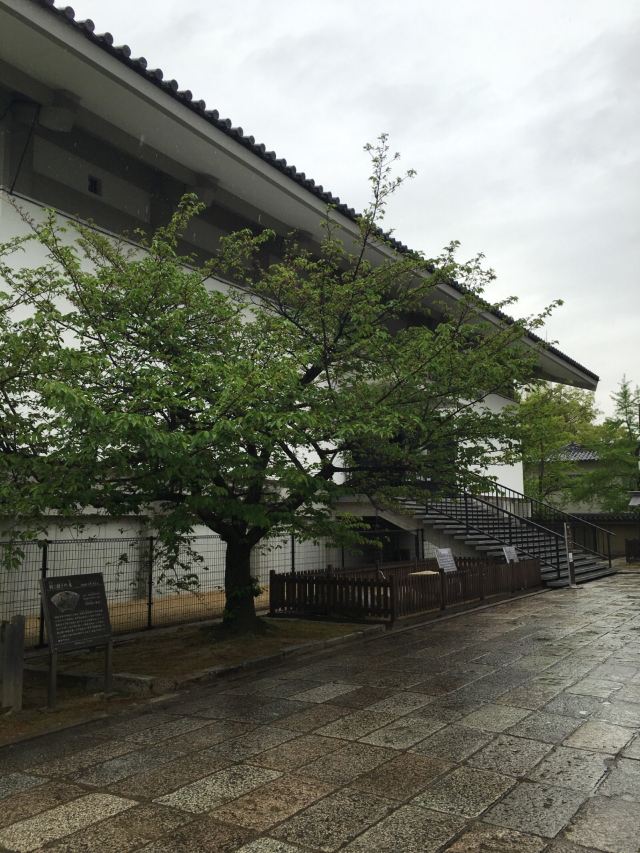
(76, 616)
(12, 662)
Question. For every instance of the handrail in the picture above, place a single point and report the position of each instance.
(551, 513)
(554, 509)
(471, 527)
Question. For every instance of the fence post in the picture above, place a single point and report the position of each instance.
(150, 585)
(443, 590)
(272, 574)
(12, 662)
(481, 581)
(44, 565)
(394, 597)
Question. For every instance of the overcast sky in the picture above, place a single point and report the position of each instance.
(521, 119)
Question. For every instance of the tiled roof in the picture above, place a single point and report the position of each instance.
(171, 87)
(576, 453)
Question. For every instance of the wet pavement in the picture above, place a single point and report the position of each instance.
(512, 728)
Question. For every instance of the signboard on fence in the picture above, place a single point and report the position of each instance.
(75, 611)
(510, 553)
(446, 561)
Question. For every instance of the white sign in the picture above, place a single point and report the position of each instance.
(446, 560)
(510, 553)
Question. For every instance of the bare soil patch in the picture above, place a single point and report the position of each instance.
(186, 649)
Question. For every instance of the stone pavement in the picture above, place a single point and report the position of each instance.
(507, 729)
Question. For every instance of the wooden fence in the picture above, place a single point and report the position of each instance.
(391, 591)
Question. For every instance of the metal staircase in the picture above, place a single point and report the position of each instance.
(501, 516)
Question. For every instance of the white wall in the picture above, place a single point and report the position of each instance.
(511, 476)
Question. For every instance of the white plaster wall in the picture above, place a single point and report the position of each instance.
(511, 476)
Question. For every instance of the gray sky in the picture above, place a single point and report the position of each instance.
(521, 119)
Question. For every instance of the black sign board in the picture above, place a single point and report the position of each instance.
(77, 617)
(75, 611)
(446, 560)
(510, 553)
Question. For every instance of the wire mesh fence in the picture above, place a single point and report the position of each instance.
(144, 589)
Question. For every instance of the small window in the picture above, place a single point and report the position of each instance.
(94, 185)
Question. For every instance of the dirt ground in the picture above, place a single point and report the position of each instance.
(180, 651)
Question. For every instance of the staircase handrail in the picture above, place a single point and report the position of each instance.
(554, 509)
(560, 516)
(437, 503)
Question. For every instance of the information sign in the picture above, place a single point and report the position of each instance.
(76, 616)
(511, 553)
(446, 561)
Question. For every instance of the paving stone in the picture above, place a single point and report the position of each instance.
(572, 705)
(63, 820)
(258, 710)
(166, 778)
(252, 743)
(410, 830)
(264, 807)
(177, 726)
(214, 790)
(403, 733)
(86, 758)
(448, 709)
(491, 839)
(542, 726)
(325, 692)
(403, 777)
(362, 697)
(315, 717)
(563, 846)
(608, 824)
(13, 783)
(126, 831)
(594, 687)
(399, 704)
(345, 764)
(620, 713)
(31, 802)
(513, 756)
(533, 808)
(268, 845)
(332, 822)
(202, 835)
(531, 697)
(295, 753)
(464, 791)
(494, 718)
(355, 725)
(623, 780)
(578, 769)
(632, 749)
(453, 743)
(126, 765)
(598, 735)
(210, 734)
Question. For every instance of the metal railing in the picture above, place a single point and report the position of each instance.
(533, 527)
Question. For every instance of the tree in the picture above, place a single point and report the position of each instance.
(136, 385)
(615, 442)
(550, 418)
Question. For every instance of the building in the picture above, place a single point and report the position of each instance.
(90, 130)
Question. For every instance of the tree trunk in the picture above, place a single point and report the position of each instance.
(239, 587)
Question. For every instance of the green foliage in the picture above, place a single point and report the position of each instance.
(616, 442)
(550, 418)
(137, 382)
